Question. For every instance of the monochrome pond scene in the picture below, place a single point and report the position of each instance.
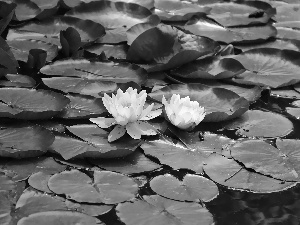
(150, 112)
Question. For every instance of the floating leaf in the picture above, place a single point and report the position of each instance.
(82, 86)
(256, 123)
(26, 9)
(6, 184)
(287, 12)
(265, 159)
(213, 30)
(49, 30)
(210, 67)
(112, 15)
(229, 173)
(23, 140)
(170, 10)
(30, 104)
(169, 47)
(5, 209)
(219, 103)
(158, 210)
(108, 187)
(56, 217)
(192, 188)
(135, 162)
(175, 155)
(82, 107)
(111, 51)
(269, 66)
(7, 12)
(94, 144)
(20, 48)
(21, 169)
(104, 71)
(288, 33)
(39, 181)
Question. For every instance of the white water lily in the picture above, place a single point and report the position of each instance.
(127, 109)
(182, 112)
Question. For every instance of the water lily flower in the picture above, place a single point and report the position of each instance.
(182, 112)
(129, 114)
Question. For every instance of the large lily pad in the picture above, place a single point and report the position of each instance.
(191, 188)
(81, 107)
(135, 162)
(103, 71)
(155, 210)
(49, 30)
(21, 47)
(219, 103)
(56, 217)
(169, 47)
(210, 67)
(265, 159)
(94, 144)
(30, 104)
(23, 140)
(213, 30)
(269, 66)
(21, 169)
(107, 187)
(5, 208)
(113, 15)
(229, 173)
(176, 10)
(256, 123)
(82, 86)
(175, 155)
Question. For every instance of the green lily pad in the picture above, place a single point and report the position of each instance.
(5, 209)
(191, 188)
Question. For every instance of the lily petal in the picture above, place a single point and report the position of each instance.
(103, 122)
(116, 133)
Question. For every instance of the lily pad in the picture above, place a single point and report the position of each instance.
(219, 103)
(22, 103)
(265, 159)
(158, 210)
(21, 47)
(49, 30)
(39, 181)
(97, 137)
(135, 162)
(191, 188)
(269, 66)
(18, 80)
(6, 184)
(82, 86)
(176, 10)
(210, 67)
(112, 15)
(21, 169)
(5, 209)
(107, 187)
(169, 47)
(111, 51)
(56, 217)
(213, 30)
(82, 107)
(175, 155)
(23, 140)
(229, 173)
(26, 9)
(256, 123)
(288, 33)
(103, 71)
(69, 147)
